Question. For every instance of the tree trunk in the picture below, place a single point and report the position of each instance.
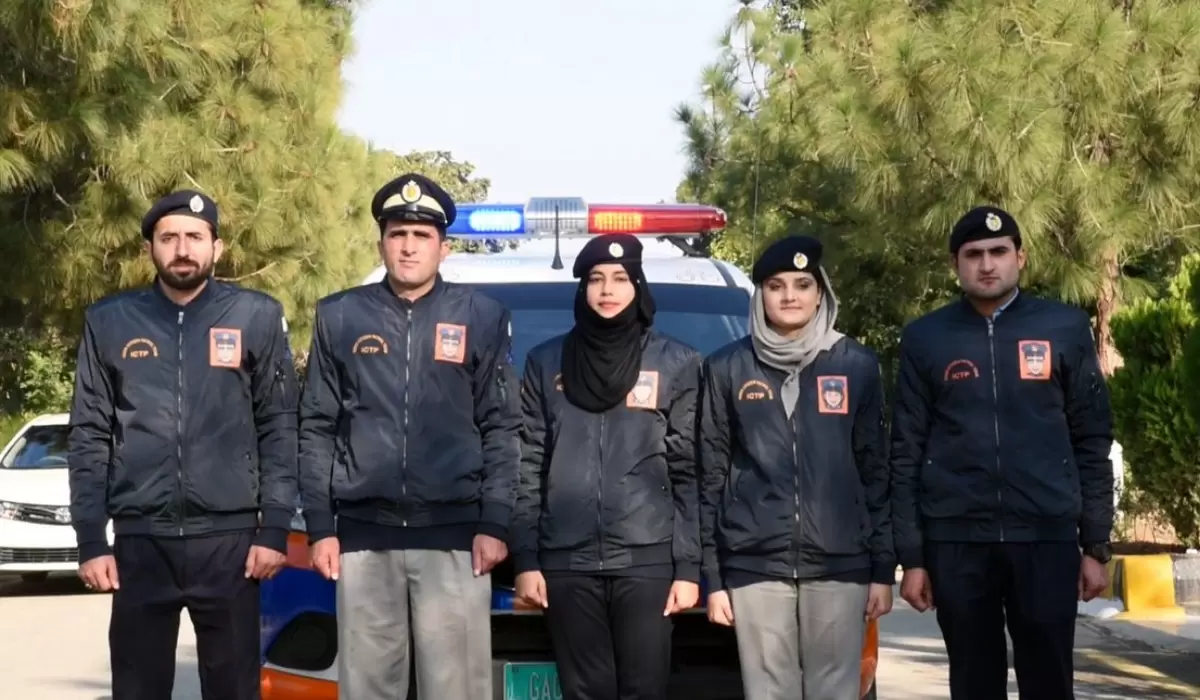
(1106, 305)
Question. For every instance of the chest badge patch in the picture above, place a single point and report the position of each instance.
(225, 348)
(755, 390)
(833, 394)
(960, 370)
(645, 392)
(1036, 360)
(450, 343)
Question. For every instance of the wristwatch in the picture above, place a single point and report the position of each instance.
(1101, 552)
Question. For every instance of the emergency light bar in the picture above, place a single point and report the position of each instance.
(571, 216)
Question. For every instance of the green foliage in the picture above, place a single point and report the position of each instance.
(106, 105)
(1155, 405)
(36, 372)
(874, 124)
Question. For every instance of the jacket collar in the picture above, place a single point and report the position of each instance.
(439, 286)
(207, 292)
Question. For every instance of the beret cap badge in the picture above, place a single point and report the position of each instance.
(993, 222)
(616, 250)
(196, 204)
(800, 260)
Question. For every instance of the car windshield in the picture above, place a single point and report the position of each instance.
(704, 317)
(40, 447)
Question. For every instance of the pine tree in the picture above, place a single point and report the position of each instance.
(109, 104)
(883, 121)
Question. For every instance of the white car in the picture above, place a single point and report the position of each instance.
(36, 537)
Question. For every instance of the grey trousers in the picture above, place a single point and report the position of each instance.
(800, 641)
(384, 597)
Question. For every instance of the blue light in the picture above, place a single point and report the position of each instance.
(489, 220)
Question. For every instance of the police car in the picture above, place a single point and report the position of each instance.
(526, 265)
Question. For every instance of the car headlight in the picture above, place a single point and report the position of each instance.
(57, 515)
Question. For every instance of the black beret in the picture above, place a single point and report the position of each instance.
(619, 248)
(982, 223)
(414, 197)
(186, 202)
(791, 254)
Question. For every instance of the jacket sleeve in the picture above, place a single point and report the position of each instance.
(714, 457)
(528, 509)
(911, 412)
(870, 454)
(1089, 419)
(320, 409)
(89, 448)
(682, 470)
(498, 415)
(274, 391)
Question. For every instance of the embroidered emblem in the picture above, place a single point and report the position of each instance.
(450, 343)
(370, 344)
(1036, 359)
(833, 395)
(138, 349)
(800, 260)
(645, 392)
(992, 222)
(960, 370)
(755, 390)
(225, 348)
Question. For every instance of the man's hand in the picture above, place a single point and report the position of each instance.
(720, 608)
(683, 596)
(916, 589)
(531, 588)
(263, 562)
(100, 573)
(879, 600)
(486, 553)
(326, 556)
(1093, 578)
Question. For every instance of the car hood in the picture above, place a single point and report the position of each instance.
(43, 487)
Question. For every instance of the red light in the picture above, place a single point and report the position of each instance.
(660, 219)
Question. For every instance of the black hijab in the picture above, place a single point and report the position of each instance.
(602, 357)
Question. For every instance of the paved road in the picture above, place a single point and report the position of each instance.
(54, 646)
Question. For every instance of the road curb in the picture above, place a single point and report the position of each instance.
(1148, 587)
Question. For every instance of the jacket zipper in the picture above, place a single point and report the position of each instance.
(407, 362)
(180, 491)
(796, 499)
(600, 499)
(996, 425)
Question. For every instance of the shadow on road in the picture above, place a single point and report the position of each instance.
(66, 583)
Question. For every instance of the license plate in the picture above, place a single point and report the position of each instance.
(531, 681)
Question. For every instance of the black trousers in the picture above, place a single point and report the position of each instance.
(158, 578)
(610, 639)
(1033, 587)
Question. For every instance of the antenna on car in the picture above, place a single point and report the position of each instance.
(557, 264)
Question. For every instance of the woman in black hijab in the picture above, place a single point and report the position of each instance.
(605, 535)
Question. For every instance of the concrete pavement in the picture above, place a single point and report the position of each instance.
(54, 646)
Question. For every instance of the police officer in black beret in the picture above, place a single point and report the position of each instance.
(183, 434)
(1002, 485)
(408, 434)
(794, 508)
(608, 449)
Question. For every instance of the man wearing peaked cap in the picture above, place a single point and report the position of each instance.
(831, 566)
(414, 197)
(422, 517)
(200, 496)
(973, 498)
